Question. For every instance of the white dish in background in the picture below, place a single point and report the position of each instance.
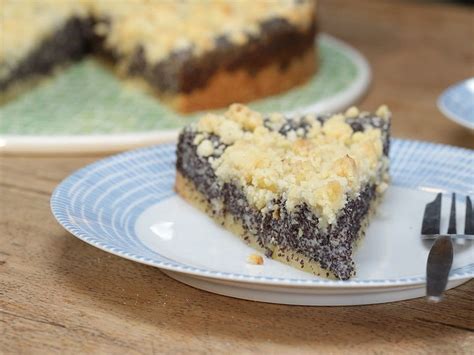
(126, 205)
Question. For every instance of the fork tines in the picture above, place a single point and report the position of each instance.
(430, 227)
(469, 224)
(452, 215)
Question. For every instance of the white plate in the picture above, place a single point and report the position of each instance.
(125, 205)
(86, 109)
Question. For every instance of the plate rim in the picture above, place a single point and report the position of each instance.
(62, 188)
(95, 143)
(440, 102)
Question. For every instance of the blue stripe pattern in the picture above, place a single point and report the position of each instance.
(101, 203)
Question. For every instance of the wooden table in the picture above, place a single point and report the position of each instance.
(60, 294)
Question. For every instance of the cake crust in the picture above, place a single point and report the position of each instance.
(221, 91)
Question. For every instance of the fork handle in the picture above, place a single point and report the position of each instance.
(440, 260)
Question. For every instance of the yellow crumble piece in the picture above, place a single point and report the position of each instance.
(205, 148)
(383, 112)
(352, 112)
(255, 259)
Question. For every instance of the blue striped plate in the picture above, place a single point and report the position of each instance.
(125, 205)
(457, 103)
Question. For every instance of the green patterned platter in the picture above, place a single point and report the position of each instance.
(86, 108)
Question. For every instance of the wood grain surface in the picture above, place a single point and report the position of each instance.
(58, 294)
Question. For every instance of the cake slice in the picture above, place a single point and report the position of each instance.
(300, 190)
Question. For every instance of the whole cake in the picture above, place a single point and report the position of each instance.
(194, 54)
(300, 190)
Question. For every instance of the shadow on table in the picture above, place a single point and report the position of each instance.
(125, 291)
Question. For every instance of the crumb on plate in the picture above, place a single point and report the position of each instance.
(255, 259)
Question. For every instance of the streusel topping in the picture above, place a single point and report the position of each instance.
(159, 26)
(321, 165)
(162, 26)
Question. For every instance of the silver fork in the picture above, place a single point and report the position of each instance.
(441, 253)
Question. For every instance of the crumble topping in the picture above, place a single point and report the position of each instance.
(165, 26)
(321, 165)
(159, 26)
